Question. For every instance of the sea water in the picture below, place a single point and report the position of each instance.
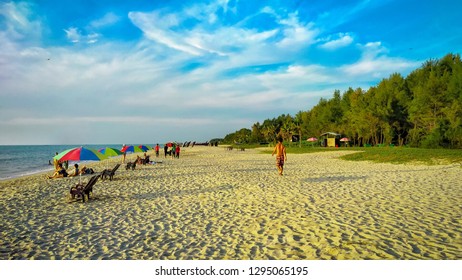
(17, 161)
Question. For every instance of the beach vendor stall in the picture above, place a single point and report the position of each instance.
(330, 139)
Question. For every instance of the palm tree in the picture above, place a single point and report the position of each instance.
(269, 131)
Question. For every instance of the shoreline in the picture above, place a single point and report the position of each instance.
(218, 204)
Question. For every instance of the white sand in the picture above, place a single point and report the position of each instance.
(218, 204)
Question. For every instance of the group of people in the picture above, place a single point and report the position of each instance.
(173, 150)
(145, 160)
(170, 149)
(61, 170)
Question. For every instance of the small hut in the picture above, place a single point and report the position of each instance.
(330, 139)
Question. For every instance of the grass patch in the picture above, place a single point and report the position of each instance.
(396, 155)
(399, 155)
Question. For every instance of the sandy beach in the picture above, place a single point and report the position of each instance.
(218, 204)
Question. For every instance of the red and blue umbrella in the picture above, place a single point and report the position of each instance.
(144, 147)
(78, 154)
(131, 149)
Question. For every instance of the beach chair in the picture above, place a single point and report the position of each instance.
(130, 165)
(80, 190)
(110, 173)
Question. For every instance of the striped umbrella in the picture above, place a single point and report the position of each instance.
(144, 148)
(132, 149)
(110, 152)
(78, 154)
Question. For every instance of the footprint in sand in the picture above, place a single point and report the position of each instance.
(297, 237)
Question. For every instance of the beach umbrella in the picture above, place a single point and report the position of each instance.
(312, 140)
(144, 147)
(110, 152)
(78, 154)
(345, 140)
(131, 149)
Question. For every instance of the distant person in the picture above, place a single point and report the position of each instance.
(146, 159)
(172, 151)
(60, 173)
(177, 151)
(157, 150)
(124, 154)
(281, 156)
(86, 170)
(76, 171)
(138, 160)
(56, 162)
(165, 149)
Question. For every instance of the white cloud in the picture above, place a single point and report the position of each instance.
(115, 120)
(380, 67)
(107, 20)
(157, 28)
(19, 23)
(74, 35)
(375, 63)
(343, 41)
(137, 86)
(297, 34)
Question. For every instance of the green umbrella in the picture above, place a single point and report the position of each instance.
(110, 152)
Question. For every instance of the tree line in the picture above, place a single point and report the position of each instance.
(423, 109)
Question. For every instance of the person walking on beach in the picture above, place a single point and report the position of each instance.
(157, 150)
(281, 156)
(165, 150)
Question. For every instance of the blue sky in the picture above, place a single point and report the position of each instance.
(91, 72)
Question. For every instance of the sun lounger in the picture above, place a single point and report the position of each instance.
(130, 165)
(80, 190)
(110, 173)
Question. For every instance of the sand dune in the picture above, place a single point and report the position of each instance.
(218, 204)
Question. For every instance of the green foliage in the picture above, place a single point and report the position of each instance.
(422, 110)
(243, 135)
(401, 155)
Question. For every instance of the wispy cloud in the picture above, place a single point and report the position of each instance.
(110, 120)
(107, 20)
(343, 40)
(19, 22)
(74, 35)
(375, 63)
(190, 71)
